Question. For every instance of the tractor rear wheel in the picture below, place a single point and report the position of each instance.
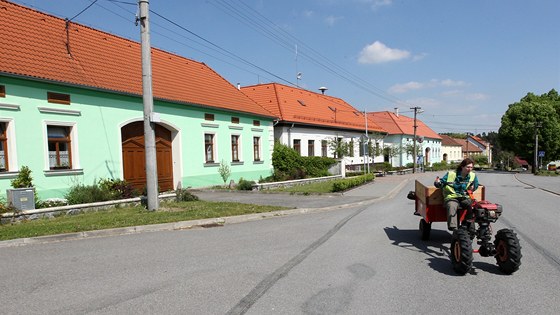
(508, 251)
(461, 251)
(425, 229)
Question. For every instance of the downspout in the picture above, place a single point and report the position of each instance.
(290, 136)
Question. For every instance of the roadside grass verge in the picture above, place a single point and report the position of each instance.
(312, 188)
(129, 216)
(336, 185)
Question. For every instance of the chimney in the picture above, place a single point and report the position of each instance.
(323, 89)
(239, 86)
(397, 111)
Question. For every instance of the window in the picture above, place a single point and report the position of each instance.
(209, 147)
(234, 120)
(58, 98)
(60, 153)
(235, 148)
(323, 148)
(362, 148)
(256, 148)
(310, 147)
(2, 91)
(3, 148)
(297, 146)
(256, 122)
(351, 148)
(209, 117)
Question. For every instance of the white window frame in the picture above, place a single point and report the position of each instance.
(11, 145)
(260, 148)
(214, 147)
(239, 148)
(73, 145)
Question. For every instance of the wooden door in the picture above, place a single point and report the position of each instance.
(134, 156)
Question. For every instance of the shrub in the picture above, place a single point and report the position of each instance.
(182, 194)
(4, 207)
(86, 194)
(245, 184)
(225, 171)
(347, 183)
(288, 164)
(118, 189)
(52, 202)
(24, 180)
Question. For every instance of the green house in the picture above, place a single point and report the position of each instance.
(71, 110)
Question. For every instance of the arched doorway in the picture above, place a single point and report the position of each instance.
(134, 156)
(427, 156)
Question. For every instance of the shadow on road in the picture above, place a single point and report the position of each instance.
(437, 250)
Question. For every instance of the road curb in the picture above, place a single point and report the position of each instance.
(192, 224)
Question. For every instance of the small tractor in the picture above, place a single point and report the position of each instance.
(506, 249)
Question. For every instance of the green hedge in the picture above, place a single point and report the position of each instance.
(347, 183)
(288, 164)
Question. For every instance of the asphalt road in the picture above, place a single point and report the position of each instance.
(361, 259)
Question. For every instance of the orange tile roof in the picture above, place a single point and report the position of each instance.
(34, 45)
(400, 124)
(297, 105)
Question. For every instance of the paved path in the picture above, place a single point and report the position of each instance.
(382, 187)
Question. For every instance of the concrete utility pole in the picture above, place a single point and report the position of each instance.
(536, 159)
(467, 153)
(416, 108)
(149, 125)
(366, 146)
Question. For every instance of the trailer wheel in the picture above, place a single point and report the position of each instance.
(508, 251)
(461, 251)
(425, 229)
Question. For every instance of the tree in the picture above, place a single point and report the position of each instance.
(521, 121)
(225, 171)
(339, 147)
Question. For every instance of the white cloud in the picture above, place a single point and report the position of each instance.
(379, 53)
(381, 3)
(477, 97)
(434, 83)
(405, 87)
(308, 13)
(449, 82)
(331, 20)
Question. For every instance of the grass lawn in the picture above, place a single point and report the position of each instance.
(313, 188)
(129, 216)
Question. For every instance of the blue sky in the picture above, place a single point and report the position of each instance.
(462, 62)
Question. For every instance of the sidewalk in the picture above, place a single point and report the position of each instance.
(381, 188)
(546, 183)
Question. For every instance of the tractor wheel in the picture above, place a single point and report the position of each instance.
(461, 251)
(508, 251)
(425, 229)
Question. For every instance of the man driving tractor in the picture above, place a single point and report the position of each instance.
(455, 185)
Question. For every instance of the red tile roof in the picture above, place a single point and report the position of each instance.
(400, 124)
(34, 44)
(297, 105)
(479, 140)
(449, 141)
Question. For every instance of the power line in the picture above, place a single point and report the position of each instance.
(268, 28)
(84, 10)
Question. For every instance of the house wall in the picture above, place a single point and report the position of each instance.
(96, 118)
(286, 134)
(402, 158)
(454, 153)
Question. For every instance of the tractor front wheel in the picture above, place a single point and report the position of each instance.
(461, 251)
(508, 251)
(425, 229)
